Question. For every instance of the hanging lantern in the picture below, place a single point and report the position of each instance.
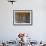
(12, 1)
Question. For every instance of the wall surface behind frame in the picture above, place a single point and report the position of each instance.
(9, 32)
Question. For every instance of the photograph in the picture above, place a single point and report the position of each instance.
(22, 17)
(22, 22)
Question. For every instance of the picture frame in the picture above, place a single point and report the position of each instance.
(22, 17)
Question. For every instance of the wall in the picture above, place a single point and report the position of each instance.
(37, 31)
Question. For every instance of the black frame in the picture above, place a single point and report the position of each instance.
(25, 11)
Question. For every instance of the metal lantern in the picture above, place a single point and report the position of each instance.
(12, 1)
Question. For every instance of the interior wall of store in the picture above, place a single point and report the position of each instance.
(8, 31)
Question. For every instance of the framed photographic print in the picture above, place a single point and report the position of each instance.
(22, 17)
